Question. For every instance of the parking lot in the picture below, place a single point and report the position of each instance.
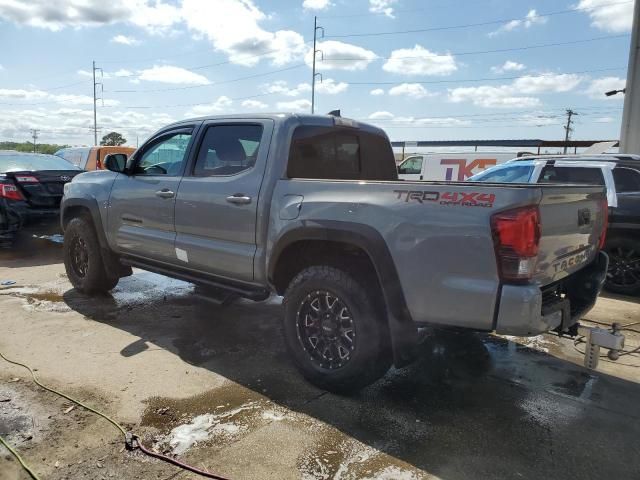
(213, 385)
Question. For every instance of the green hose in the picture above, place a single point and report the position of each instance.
(77, 402)
(19, 458)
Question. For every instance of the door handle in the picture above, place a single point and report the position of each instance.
(239, 199)
(165, 193)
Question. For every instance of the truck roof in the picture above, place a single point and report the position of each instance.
(293, 118)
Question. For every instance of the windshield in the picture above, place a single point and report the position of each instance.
(16, 162)
(514, 173)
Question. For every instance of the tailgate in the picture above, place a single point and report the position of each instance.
(572, 219)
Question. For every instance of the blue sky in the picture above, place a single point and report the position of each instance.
(441, 79)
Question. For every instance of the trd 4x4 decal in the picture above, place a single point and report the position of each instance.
(464, 199)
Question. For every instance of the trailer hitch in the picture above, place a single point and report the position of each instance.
(596, 338)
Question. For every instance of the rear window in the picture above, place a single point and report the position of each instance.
(588, 176)
(77, 156)
(626, 180)
(20, 162)
(507, 174)
(340, 154)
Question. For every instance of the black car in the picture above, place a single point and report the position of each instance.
(31, 187)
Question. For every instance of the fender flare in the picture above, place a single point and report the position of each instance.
(403, 331)
(90, 204)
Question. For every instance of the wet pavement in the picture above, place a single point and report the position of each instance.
(213, 385)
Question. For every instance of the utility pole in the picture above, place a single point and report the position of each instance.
(34, 135)
(630, 132)
(314, 74)
(568, 129)
(95, 104)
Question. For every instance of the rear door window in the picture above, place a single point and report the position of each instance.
(587, 176)
(228, 150)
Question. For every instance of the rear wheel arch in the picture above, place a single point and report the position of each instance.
(349, 247)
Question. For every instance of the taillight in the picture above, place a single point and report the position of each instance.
(604, 210)
(516, 235)
(98, 164)
(26, 179)
(10, 192)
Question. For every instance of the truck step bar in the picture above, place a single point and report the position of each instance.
(249, 291)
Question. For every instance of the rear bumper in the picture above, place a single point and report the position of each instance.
(16, 215)
(526, 310)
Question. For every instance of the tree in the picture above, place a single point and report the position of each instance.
(113, 139)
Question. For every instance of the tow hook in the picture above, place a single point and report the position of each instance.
(595, 338)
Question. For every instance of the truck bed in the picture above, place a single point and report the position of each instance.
(440, 237)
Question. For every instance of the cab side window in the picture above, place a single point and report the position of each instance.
(411, 166)
(166, 156)
(626, 180)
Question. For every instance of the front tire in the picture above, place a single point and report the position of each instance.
(83, 259)
(623, 275)
(333, 330)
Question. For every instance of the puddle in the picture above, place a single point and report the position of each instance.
(214, 417)
(57, 238)
(339, 457)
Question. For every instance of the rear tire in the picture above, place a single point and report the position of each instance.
(623, 275)
(83, 258)
(333, 330)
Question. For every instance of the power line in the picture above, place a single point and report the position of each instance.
(189, 104)
(500, 50)
(470, 25)
(489, 79)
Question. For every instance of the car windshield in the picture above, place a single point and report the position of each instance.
(17, 162)
(515, 173)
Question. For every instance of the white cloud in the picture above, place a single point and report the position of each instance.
(40, 96)
(377, 92)
(612, 16)
(74, 125)
(420, 121)
(492, 97)
(301, 105)
(340, 56)
(122, 73)
(125, 40)
(1, 67)
(413, 90)
(171, 74)
(382, 6)
(599, 86)
(220, 105)
(419, 61)
(316, 4)
(330, 87)
(381, 115)
(528, 21)
(518, 93)
(282, 87)
(254, 104)
(56, 15)
(233, 27)
(508, 66)
(546, 83)
(605, 120)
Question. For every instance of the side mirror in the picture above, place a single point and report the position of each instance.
(115, 162)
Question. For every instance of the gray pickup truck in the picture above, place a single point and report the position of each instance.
(310, 207)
